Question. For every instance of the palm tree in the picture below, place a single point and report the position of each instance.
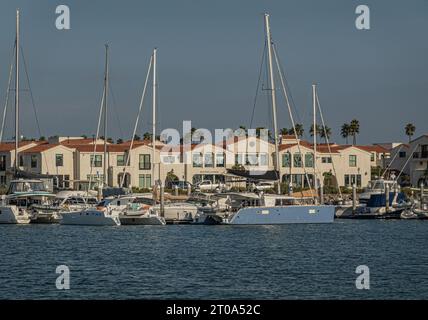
(410, 130)
(345, 131)
(325, 133)
(284, 131)
(147, 136)
(317, 130)
(354, 128)
(299, 130)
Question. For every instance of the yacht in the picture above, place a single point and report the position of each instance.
(19, 205)
(140, 212)
(376, 187)
(254, 209)
(90, 217)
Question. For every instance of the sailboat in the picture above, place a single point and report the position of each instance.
(17, 207)
(139, 212)
(283, 209)
(94, 216)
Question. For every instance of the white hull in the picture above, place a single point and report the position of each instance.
(13, 215)
(142, 220)
(90, 217)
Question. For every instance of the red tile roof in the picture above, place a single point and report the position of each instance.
(9, 146)
(373, 148)
(40, 148)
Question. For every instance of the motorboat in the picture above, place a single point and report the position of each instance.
(377, 187)
(90, 217)
(140, 212)
(23, 196)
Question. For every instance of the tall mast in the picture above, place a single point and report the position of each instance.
(314, 102)
(154, 117)
(16, 164)
(105, 180)
(272, 90)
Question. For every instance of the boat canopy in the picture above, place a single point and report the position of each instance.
(270, 175)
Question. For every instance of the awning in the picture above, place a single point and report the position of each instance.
(271, 175)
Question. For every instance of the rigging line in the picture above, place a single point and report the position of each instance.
(293, 104)
(31, 93)
(258, 84)
(7, 94)
(96, 139)
(115, 109)
(407, 161)
(128, 156)
(326, 139)
(393, 159)
(293, 123)
(33, 102)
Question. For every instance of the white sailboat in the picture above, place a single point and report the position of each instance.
(95, 216)
(260, 212)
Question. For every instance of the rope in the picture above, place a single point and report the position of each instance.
(115, 109)
(326, 139)
(7, 94)
(258, 84)
(292, 122)
(136, 121)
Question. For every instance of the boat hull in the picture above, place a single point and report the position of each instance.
(142, 220)
(12, 215)
(283, 215)
(89, 218)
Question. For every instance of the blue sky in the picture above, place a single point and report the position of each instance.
(208, 60)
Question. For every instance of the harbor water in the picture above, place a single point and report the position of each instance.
(216, 262)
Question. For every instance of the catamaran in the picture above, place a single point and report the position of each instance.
(259, 210)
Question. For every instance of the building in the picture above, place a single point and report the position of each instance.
(76, 159)
(410, 161)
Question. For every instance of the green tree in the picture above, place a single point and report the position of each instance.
(299, 130)
(147, 136)
(325, 133)
(137, 137)
(345, 131)
(354, 127)
(119, 141)
(410, 130)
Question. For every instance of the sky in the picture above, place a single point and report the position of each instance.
(209, 55)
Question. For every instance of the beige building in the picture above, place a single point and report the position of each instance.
(79, 159)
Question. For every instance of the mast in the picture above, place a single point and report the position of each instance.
(314, 102)
(16, 164)
(154, 118)
(105, 180)
(272, 90)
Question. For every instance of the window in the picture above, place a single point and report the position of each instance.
(144, 163)
(197, 160)
(97, 161)
(209, 160)
(59, 160)
(286, 160)
(252, 159)
(309, 160)
(297, 160)
(2, 180)
(415, 155)
(402, 154)
(168, 159)
(424, 151)
(372, 157)
(33, 161)
(238, 158)
(2, 163)
(352, 160)
(120, 160)
(21, 161)
(351, 179)
(263, 159)
(145, 181)
(219, 160)
(326, 160)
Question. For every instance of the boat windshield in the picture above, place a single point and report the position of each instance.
(26, 186)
